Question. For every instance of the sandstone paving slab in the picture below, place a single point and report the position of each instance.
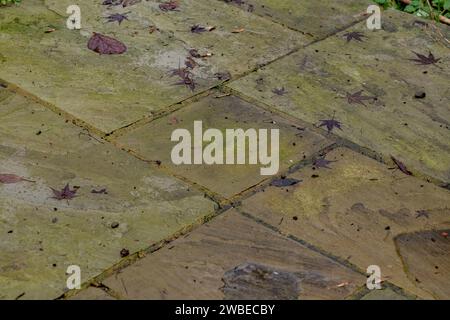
(40, 236)
(210, 262)
(305, 16)
(109, 92)
(355, 210)
(318, 78)
(426, 257)
(153, 142)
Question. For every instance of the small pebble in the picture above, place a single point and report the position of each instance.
(420, 95)
(124, 253)
(114, 225)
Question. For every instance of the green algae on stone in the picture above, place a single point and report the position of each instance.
(153, 142)
(110, 92)
(415, 131)
(41, 236)
(309, 17)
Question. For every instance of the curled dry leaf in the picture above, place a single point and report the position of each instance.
(105, 45)
(238, 30)
(11, 178)
(401, 166)
(199, 29)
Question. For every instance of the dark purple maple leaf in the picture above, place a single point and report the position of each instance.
(169, 6)
(105, 45)
(322, 163)
(65, 193)
(358, 98)
(424, 60)
(422, 213)
(330, 124)
(285, 182)
(354, 35)
(401, 166)
(119, 17)
(279, 91)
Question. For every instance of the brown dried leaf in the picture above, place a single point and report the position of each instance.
(105, 45)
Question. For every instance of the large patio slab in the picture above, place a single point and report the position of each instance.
(109, 92)
(202, 266)
(355, 209)
(409, 119)
(121, 203)
(153, 142)
(306, 16)
(426, 258)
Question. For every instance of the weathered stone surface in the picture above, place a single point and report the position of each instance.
(305, 16)
(92, 293)
(152, 141)
(384, 294)
(109, 92)
(260, 282)
(426, 255)
(318, 78)
(41, 236)
(354, 211)
(193, 267)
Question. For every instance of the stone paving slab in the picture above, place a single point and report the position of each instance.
(305, 16)
(195, 266)
(426, 256)
(355, 211)
(317, 79)
(109, 92)
(41, 236)
(152, 141)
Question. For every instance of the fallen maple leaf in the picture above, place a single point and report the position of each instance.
(424, 60)
(330, 124)
(105, 45)
(354, 35)
(358, 98)
(119, 17)
(322, 163)
(65, 193)
(11, 178)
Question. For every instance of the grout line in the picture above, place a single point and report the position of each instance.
(358, 293)
(130, 260)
